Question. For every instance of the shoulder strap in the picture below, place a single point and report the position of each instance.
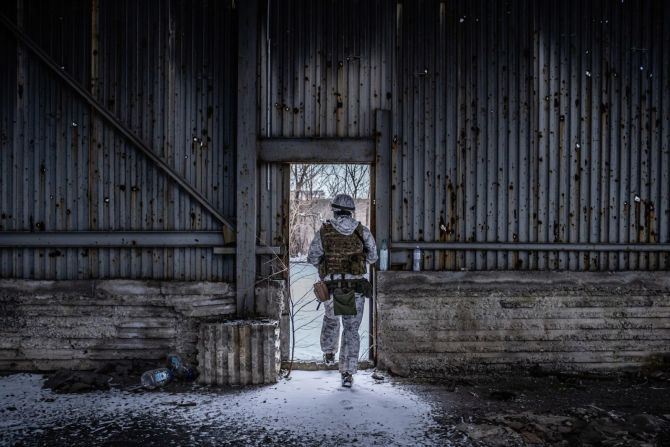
(323, 226)
(359, 233)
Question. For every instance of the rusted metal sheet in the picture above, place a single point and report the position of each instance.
(329, 68)
(157, 67)
(513, 122)
(517, 122)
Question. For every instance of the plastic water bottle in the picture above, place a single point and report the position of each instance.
(416, 265)
(174, 362)
(179, 369)
(156, 378)
(384, 257)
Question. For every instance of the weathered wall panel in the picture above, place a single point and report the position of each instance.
(167, 71)
(440, 323)
(330, 68)
(512, 121)
(47, 325)
(532, 122)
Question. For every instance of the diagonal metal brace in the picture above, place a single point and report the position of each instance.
(129, 134)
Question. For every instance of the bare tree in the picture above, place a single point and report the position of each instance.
(357, 180)
(306, 179)
(312, 182)
(347, 179)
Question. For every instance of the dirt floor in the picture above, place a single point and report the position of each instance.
(311, 408)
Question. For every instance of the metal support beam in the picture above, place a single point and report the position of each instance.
(317, 150)
(247, 140)
(382, 175)
(260, 250)
(118, 125)
(113, 239)
(381, 201)
(479, 246)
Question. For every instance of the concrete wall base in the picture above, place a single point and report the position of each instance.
(441, 323)
(48, 325)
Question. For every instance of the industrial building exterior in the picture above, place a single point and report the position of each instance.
(523, 146)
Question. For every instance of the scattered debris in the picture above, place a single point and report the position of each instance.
(67, 381)
(377, 376)
(176, 369)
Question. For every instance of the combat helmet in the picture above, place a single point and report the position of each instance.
(343, 202)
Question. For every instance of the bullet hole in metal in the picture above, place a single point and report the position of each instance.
(74, 124)
(637, 198)
(106, 200)
(588, 73)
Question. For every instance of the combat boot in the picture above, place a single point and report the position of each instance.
(329, 359)
(347, 379)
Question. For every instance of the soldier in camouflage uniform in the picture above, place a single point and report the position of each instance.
(341, 250)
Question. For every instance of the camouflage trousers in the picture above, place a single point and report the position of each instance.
(351, 340)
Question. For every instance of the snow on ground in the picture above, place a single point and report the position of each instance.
(310, 408)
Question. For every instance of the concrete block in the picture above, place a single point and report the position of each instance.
(85, 324)
(439, 323)
(247, 354)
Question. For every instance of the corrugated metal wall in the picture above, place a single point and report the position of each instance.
(330, 67)
(533, 122)
(513, 121)
(167, 71)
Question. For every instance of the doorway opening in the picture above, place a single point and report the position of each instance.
(312, 188)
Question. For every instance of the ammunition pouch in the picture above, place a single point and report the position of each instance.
(321, 291)
(344, 301)
(355, 265)
(361, 286)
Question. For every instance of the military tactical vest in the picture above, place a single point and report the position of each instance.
(342, 253)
